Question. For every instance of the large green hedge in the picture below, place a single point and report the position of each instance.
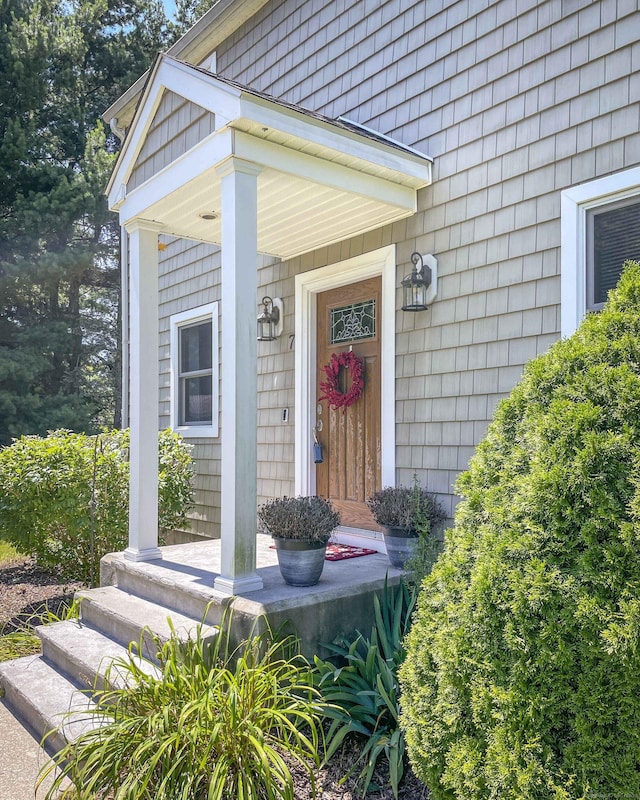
(65, 497)
(522, 678)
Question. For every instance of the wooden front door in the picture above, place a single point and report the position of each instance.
(349, 317)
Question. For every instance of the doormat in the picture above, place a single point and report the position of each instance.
(340, 552)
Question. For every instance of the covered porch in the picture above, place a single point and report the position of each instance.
(182, 580)
(253, 175)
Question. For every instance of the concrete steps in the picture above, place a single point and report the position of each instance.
(56, 691)
(127, 617)
(46, 701)
(86, 654)
(193, 596)
(136, 596)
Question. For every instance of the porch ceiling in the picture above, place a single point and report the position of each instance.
(320, 180)
(294, 215)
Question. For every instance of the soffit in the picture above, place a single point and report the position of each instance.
(294, 215)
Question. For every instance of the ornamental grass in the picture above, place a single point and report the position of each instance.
(210, 725)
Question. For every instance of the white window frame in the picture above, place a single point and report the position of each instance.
(574, 205)
(177, 321)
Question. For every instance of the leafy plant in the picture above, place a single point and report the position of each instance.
(362, 690)
(65, 497)
(210, 725)
(522, 678)
(425, 554)
(408, 507)
(306, 519)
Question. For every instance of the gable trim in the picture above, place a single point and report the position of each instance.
(187, 83)
(242, 109)
(196, 45)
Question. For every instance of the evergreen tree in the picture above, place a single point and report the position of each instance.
(188, 12)
(522, 676)
(61, 65)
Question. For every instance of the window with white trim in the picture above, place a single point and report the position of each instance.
(613, 237)
(194, 371)
(600, 223)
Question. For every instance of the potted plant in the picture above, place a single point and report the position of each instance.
(301, 528)
(404, 513)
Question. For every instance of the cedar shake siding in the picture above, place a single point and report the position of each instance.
(514, 101)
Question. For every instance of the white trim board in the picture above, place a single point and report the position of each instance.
(308, 285)
(574, 204)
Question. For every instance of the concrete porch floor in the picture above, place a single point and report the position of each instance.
(339, 604)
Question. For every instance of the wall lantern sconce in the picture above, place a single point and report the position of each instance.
(270, 320)
(420, 286)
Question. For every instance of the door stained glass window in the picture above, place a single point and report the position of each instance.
(354, 322)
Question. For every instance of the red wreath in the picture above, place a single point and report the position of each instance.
(331, 387)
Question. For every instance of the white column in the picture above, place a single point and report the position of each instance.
(239, 471)
(143, 391)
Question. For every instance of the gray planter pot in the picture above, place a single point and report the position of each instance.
(301, 563)
(400, 544)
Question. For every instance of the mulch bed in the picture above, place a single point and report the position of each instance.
(329, 786)
(24, 588)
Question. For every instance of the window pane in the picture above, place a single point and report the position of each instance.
(616, 238)
(195, 347)
(197, 396)
(350, 323)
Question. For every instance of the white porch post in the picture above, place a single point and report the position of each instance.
(239, 471)
(143, 391)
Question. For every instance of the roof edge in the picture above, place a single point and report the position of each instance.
(343, 123)
(217, 24)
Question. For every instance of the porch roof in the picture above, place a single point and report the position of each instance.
(321, 180)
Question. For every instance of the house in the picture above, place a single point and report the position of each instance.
(314, 153)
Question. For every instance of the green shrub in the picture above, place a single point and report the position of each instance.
(64, 498)
(522, 678)
(362, 692)
(208, 726)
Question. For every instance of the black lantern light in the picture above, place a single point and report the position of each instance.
(415, 285)
(269, 327)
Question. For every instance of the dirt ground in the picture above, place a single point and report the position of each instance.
(24, 588)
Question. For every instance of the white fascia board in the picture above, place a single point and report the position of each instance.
(327, 173)
(213, 27)
(311, 129)
(210, 151)
(171, 75)
(203, 90)
(125, 105)
(133, 144)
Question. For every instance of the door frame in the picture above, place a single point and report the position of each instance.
(308, 285)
